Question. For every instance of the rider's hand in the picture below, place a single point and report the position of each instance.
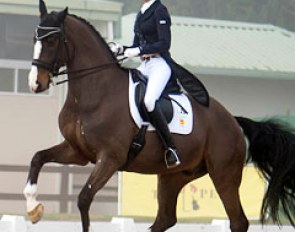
(131, 52)
(116, 48)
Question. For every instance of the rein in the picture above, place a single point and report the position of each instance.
(87, 70)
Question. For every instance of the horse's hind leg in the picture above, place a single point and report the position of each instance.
(229, 195)
(226, 173)
(62, 153)
(169, 187)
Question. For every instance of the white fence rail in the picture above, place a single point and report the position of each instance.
(10, 223)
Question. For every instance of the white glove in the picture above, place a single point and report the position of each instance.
(131, 52)
(116, 48)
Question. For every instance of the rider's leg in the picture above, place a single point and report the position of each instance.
(159, 73)
(159, 122)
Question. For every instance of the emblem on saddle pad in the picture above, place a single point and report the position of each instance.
(176, 107)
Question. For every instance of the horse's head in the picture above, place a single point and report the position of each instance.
(49, 48)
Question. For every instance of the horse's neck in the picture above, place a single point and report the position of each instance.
(89, 51)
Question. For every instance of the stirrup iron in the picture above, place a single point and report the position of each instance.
(175, 160)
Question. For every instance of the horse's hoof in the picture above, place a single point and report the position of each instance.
(36, 214)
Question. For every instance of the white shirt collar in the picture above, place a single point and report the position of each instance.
(146, 5)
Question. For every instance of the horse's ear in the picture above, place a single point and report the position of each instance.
(62, 15)
(42, 8)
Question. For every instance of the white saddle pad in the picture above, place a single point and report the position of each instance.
(182, 122)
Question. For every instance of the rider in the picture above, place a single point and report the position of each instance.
(152, 42)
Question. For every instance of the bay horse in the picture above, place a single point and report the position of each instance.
(97, 127)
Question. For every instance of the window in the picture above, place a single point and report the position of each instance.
(14, 78)
(6, 80)
(22, 81)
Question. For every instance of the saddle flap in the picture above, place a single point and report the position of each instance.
(176, 106)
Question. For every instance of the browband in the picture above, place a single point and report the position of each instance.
(43, 32)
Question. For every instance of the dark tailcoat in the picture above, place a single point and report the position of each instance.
(152, 32)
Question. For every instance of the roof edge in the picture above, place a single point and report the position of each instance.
(243, 73)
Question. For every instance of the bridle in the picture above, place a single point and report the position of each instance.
(43, 32)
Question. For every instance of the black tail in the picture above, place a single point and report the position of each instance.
(272, 150)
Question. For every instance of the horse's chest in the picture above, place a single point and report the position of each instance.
(73, 130)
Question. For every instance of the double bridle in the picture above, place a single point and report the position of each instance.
(43, 32)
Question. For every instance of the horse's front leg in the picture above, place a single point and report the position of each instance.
(62, 153)
(104, 168)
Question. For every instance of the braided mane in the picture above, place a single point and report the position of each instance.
(93, 29)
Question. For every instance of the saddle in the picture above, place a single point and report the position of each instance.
(165, 100)
(180, 77)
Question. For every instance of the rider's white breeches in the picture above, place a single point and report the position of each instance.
(158, 73)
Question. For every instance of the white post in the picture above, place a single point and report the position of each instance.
(126, 224)
(224, 224)
(13, 224)
(6, 226)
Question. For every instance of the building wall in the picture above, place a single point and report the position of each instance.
(253, 97)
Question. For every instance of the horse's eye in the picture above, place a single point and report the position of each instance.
(50, 40)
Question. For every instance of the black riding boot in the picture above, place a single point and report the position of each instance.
(159, 122)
